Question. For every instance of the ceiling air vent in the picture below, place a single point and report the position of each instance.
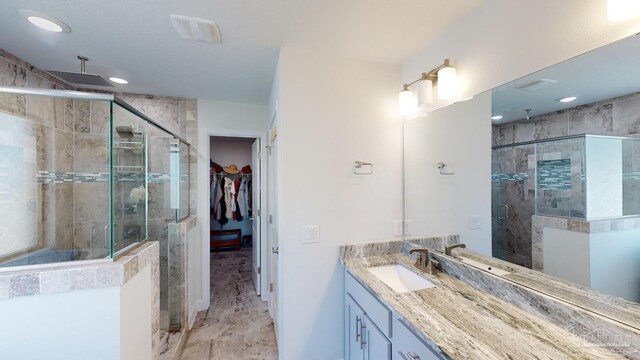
(196, 29)
(536, 85)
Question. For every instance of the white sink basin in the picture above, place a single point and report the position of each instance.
(485, 267)
(400, 279)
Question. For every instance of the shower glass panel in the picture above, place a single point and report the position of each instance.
(73, 176)
(166, 168)
(631, 176)
(54, 177)
(129, 169)
(183, 210)
(512, 203)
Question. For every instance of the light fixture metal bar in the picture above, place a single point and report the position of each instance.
(433, 74)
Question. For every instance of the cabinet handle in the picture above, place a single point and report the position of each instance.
(363, 342)
(411, 356)
(358, 329)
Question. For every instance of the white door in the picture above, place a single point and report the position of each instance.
(273, 223)
(255, 215)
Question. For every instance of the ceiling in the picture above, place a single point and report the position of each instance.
(135, 40)
(610, 71)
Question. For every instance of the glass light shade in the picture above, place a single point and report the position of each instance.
(447, 83)
(407, 103)
(425, 92)
(620, 10)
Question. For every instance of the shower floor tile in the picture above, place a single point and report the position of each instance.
(238, 324)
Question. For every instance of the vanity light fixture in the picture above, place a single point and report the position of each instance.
(118, 80)
(567, 99)
(621, 10)
(497, 117)
(45, 22)
(444, 76)
(407, 102)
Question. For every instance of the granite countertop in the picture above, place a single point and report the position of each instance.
(615, 308)
(469, 324)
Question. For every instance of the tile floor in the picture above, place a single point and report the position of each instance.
(237, 325)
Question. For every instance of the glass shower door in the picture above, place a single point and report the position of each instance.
(499, 208)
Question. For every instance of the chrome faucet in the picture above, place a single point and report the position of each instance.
(447, 249)
(423, 262)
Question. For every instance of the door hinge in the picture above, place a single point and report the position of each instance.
(258, 213)
(270, 219)
(270, 287)
(259, 270)
(269, 149)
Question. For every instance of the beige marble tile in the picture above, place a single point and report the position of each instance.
(12, 75)
(100, 116)
(57, 281)
(5, 286)
(63, 151)
(261, 344)
(91, 153)
(91, 202)
(82, 279)
(42, 109)
(82, 116)
(24, 285)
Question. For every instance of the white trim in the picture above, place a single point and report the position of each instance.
(204, 152)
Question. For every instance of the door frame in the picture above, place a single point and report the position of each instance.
(203, 173)
(272, 204)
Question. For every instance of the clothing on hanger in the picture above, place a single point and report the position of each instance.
(229, 197)
(242, 199)
(221, 207)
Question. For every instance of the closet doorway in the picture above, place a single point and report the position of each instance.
(235, 219)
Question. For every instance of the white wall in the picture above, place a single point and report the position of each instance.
(135, 317)
(332, 111)
(442, 204)
(75, 325)
(221, 118)
(603, 177)
(606, 261)
(506, 39)
(231, 151)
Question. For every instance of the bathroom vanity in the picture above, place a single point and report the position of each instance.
(462, 311)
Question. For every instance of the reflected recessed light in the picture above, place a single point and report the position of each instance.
(118, 80)
(568, 99)
(45, 22)
(497, 117)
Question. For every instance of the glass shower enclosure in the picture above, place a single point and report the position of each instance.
(86, 177)
(585, 177)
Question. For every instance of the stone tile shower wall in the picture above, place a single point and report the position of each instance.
(37, 136)
(618, 117)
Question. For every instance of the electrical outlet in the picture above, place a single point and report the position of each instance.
(407, 227)
(474, 222)
(397, 228)
(310, 234)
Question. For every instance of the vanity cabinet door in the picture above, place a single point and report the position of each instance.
(407, 345)
(377, 346)
(354, 326)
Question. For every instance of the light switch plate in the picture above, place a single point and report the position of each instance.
(310, 234)
(474, 222)
(397, 228)
(407, 227)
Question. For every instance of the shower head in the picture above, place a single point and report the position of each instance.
(81, 78)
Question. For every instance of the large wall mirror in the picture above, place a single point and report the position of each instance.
(541, 178)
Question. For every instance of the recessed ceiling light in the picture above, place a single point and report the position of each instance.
(118, 80)
(497, 117)
(568, 99)
(45, 22)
